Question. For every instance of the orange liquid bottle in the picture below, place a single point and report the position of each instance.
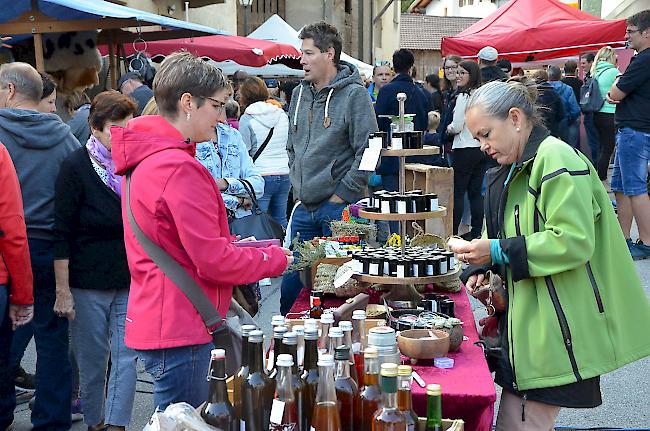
(404, 397)
(389, 417)
(347, 391)
(284, 411)
(371, 398)
(326, 413)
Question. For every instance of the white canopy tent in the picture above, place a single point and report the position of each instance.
(229, 67)
(277, 30)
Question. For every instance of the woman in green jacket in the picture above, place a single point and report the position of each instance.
(575, 307)
(604, 71)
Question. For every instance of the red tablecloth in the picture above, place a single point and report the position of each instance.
(468, 389)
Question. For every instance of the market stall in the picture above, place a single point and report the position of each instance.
(528, 30)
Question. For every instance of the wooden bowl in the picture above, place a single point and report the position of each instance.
(418, 343)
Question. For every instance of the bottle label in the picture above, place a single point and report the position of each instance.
(356, 348)
(242, 426)
(283, 427)
(277, 412)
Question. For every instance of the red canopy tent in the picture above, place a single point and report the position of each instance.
(242, 50)
(527, 30)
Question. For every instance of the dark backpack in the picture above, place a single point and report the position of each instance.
(590, 98)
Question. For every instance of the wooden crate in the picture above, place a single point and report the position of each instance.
(434, 179)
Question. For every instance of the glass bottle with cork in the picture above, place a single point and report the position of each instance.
(347, 391)
(434, 408)
(359, 342)
(346, 327)
(404, 396)
(389, 417)
(371, 398)
(284, 411)
(310, 375)
(290, 341)
(326, 412)
(218, 411)
(242, 373)
(257, 389)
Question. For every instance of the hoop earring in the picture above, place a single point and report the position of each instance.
(188, 117)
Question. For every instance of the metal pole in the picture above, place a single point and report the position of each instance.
(187, 11)
(401, 100)
(245, 20)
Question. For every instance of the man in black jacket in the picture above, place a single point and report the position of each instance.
(487, 60)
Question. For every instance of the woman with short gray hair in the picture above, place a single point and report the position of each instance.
(553, 238)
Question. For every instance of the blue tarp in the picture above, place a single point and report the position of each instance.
(70, 10)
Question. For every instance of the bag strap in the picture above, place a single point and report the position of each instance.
(264, 144)
(251, 192)
(175, 272)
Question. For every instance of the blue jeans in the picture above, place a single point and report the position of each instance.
(573, 133)
(592, 135)
(630, 173)
(310, 224)
(51, 410)
(97, 333)
(275, 197)
(179, 374)
(7, 391)
(22, 337)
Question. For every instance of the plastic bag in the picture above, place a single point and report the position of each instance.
(177, 417)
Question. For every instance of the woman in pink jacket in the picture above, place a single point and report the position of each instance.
(178, 205)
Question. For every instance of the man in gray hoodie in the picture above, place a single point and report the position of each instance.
(330, 119)
(38, 143)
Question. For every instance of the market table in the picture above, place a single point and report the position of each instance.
(467, 389)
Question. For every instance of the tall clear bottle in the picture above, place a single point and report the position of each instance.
(257, 389)
(326, 412)
(404, 396)
(218, 411)
(242, 373)
(346, 327)
(389, 417)
(300, 335)
(326, 322)
(335, 339)
(347, 391)
(310, 374)
(434, 408)
(359, 342)
(290, 341)
(284, 412)
(371, 398)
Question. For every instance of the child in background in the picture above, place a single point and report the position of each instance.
(431, 136)
(232, 113)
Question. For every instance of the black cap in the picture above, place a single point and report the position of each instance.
(342, 353)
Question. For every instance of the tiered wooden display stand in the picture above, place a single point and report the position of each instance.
(403, 288)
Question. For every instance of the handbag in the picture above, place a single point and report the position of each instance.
(492, 294)
(226, 333)
(258, 224)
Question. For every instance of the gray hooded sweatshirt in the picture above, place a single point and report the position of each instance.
(38, 143)
(328, 132)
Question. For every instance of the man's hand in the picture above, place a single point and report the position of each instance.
(20, 314)
(222, 184)
(64, 304)
(473, 282)
(476, 252)
(609, 99)
(336, 200)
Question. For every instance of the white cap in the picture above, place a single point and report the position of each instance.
(278, 319)
(358, 315)
(284, 360)
(488, 53)
(335, 332)
(299, 330)
(345, 325)
(326, 361)
(327, 318)
(218, 354)
(311, 323)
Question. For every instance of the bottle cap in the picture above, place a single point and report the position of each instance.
(246, 329)
(404, 370)
(284, 360)
(335, 332)
(326, 361)
(311, 323)
(311, 334)
(434, 389)
(278, 319)
(279, 331)
(371, 352)
(342, 353)
(290, 339)
(327, 318)
(345, 325)
(315, 301)
(256, 336)
(389, 370)
(218, 354)
(299, 330)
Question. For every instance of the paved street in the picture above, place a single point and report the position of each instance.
(626, 392)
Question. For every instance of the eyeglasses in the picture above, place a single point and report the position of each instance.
(462, 72)
(451, 67)
(630, 31)
(221, 106)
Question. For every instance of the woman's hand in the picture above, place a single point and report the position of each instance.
(289, 254)
(20, 314)
(473, 282)
(64, 304)
(476, 252)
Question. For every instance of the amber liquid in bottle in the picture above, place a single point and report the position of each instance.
(297, 385)
(257, 389)
(326, 413)
(347, 391)
(347, 341)
(359, 343)
(404, 396)
(284, 397)
(218, 411)
(242, 373)
(389, 418)
(310, 376)
(371, 398)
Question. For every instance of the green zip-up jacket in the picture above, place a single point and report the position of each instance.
(576, 308)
